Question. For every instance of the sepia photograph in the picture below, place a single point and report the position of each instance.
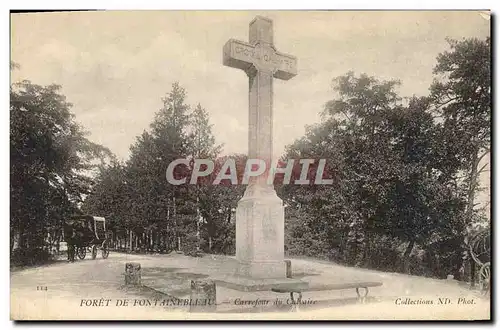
(250, 165)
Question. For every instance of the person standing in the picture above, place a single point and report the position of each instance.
(70, 235)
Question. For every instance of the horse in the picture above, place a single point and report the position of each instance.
(78, 234)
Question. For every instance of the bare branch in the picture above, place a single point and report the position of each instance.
(486, 151)
(482, 169)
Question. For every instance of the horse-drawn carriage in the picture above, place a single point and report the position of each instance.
(85, 233)
(480, 251)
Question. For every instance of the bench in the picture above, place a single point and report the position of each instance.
(292, 289)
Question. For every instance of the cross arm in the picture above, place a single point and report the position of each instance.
(238, 54)
(244, 56)
(286, 66)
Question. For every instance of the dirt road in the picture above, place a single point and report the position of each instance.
(92, 290)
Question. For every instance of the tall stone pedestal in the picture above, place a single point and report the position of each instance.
(260, 218)
(260, 229)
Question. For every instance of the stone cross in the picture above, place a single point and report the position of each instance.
(260, 213)
(261, 62)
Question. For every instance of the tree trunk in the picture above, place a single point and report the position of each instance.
(472, 273)
(12, 239)
(164, 238)
(58, 244)
(21, 243)
(406, 257)
(177, 238)
(471, 191)
(198, 234)
(367, 249)
(156, 241)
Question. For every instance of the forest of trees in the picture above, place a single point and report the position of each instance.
(406, 174)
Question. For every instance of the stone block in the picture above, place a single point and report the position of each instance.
(132, 273)
(288, 264)
(260, 237)
(203, 296)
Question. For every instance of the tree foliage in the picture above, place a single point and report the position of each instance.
(51, 169)
(398, 167)
(191, 214)
(405, 171)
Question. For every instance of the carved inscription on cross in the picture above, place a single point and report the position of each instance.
(261, 62)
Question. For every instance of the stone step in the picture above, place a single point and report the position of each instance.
(246, 284)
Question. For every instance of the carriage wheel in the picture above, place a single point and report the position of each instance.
(94, 252)
(82, 251)
(484, 278)
(105, 251)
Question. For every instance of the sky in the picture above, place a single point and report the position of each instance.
(115, 66)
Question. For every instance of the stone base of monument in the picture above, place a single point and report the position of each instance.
(254, 276)
(259, 264)
(261, 269)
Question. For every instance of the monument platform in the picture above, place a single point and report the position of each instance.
(180, 288)
(223, 270)
(248, 284)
